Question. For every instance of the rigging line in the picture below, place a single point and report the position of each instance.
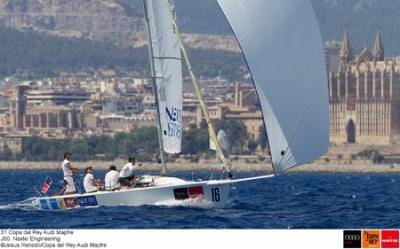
(166, 58)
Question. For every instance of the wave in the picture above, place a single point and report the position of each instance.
(26, 205)
(198, 202)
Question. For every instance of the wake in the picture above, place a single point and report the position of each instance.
(192, 202)
(29, 204)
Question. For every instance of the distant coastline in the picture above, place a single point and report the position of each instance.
(188, 167)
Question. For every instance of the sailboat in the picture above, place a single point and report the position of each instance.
(282, 46)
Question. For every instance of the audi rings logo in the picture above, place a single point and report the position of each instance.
(352, 239)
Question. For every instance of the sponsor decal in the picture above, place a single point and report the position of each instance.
(70, 202)
(371, 239)
(87, 201)
(61, 204)
(43, 204)
(174, 122)
(352, 239)
(390, 239)
(181, 194)
(186, 193)
(195, 192)
(54, 204)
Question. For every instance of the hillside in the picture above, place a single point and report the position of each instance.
(362, 18)
(45, 54)
(103, 20)
(121, 21)
(68, 35)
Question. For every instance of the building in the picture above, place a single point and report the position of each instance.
(243, 109)
(122, 105)
(332, 51)
(52, 117)
(42, 119)
(4, 119)
(56, 97)
(364, 96)
(17, 105)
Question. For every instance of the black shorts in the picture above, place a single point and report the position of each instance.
(126, 180)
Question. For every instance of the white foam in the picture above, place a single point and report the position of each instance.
(198, 202)
(28, 205)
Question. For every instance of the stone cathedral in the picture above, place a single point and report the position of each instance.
(364, 95)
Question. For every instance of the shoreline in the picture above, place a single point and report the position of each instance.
(210, 166)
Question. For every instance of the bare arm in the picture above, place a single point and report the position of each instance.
(97, 182)
(73, 169)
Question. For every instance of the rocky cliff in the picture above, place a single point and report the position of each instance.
(100, 20)
(104, 20)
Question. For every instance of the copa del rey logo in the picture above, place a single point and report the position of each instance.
(371, 239)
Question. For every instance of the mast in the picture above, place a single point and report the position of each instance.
(153, 77)
(197, 88)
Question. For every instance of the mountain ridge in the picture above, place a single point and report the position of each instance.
(121, 21)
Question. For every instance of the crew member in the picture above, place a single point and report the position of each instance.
(69, 173)
(127, 174)
(111, 179)
(90, 183)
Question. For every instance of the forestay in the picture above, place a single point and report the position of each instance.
(167, 70)
(281, 42)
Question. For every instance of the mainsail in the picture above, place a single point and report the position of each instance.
(167, 72)
(282, 45)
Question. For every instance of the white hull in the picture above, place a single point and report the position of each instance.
(166, 191)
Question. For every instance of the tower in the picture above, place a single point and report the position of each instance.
(379, 50)
(346, 51)
(365, 55)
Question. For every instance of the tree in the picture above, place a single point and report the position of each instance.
(262, 137)
(144, 140)
(195, 140)
(252, 146)
(6, 154)
(378, 158)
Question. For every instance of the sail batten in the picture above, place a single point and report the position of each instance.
(282, 46)
(167, 73)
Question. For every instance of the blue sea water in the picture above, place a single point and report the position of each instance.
(286, 201)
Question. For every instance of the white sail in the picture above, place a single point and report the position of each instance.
(281, 42)
(223, 141)
(167, 63)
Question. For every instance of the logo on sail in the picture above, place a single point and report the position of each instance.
(174, 122)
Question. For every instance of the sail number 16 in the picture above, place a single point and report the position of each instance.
(215, 194)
